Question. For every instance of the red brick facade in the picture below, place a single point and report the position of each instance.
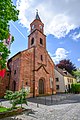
(33, 67)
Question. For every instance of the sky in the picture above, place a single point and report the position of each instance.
(61, 20)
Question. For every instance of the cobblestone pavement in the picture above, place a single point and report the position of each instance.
(54, 112)
(62, 107)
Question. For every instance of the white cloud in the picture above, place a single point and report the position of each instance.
(59, 16)
(60, 54)
(79, 59)
(75, 36)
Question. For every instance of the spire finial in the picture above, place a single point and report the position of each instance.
(37, 16)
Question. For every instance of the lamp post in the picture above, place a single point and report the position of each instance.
(51, 86)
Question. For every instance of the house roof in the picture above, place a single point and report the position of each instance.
(63, 72)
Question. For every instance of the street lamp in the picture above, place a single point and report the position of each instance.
(51, 86)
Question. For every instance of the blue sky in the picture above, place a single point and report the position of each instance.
(62, 27)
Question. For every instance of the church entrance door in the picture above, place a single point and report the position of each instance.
(41, 86)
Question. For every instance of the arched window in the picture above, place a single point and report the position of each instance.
(41, 41)
(32, 41)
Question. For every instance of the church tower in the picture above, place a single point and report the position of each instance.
(37, 37)
(43, 66)
(33, 67)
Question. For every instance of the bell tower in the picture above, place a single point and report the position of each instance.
(37, 37)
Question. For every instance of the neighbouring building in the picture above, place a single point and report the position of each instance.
(63, 80)
(33, 67)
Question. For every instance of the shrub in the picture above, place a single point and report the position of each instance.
(75, 88)
(17, 97)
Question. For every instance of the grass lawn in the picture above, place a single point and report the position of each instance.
(4, 109)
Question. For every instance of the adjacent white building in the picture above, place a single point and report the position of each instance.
(63, 80)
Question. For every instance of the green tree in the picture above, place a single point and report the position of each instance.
(67, 64)
(75, 88)
(77, 74)
(8, 12)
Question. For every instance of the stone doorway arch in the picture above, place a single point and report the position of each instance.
(41, 86)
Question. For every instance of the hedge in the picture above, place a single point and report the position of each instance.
(75, 88)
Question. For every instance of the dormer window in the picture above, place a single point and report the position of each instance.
(41, 41)
(65, 72)
(32, 41)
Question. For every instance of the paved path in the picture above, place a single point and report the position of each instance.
(56, 99)
(67, 107)
(54, 112)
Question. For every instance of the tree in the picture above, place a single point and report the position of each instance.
(67, 64)
(7, 12)
(75, 88)
(4, 54)
(77, 75)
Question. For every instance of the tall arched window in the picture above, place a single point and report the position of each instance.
(41, 41)
(32, 41)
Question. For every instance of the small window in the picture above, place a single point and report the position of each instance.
(32, 41)
(14, 72)
(41, 58)
(41, 41)
(68, 80)
(57, 79)
(57, 87)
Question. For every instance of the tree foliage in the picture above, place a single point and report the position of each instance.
(75, 88)
(7, 12)
(67, 64)
(4, 54)
(77, 74)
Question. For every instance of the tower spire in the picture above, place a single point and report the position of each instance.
(37, 16)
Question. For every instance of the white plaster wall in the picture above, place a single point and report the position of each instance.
(60, 82)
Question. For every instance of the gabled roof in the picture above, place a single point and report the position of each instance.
(63, 72)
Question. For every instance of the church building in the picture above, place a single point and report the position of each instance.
(33, 67)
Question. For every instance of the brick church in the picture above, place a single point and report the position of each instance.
(33, 67)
